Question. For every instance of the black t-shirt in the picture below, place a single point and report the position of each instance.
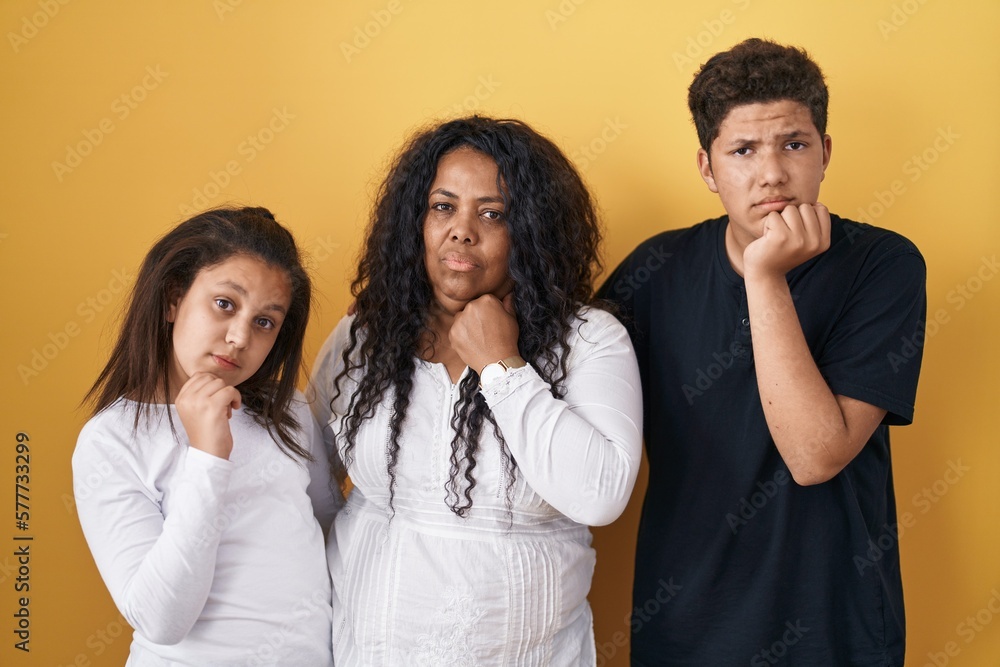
(736, 563)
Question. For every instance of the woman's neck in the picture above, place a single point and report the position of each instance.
(435, 344)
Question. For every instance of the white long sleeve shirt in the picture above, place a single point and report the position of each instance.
(212, 561)
(504, 586)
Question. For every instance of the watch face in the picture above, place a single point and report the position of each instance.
(491, 373)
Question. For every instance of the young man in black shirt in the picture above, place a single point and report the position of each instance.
(776, 346)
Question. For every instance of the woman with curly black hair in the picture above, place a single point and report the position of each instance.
(486, 411)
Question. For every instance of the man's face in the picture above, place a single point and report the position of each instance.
(767, 156)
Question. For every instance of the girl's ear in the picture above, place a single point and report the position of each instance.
(173, 301)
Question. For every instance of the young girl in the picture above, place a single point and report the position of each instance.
(192, 479)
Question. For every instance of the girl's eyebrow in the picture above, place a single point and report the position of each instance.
(239, 289)
(235, 286)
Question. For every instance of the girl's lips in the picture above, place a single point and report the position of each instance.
(225, 362)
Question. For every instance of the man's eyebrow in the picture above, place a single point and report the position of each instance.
(750, 141)
(793, 134)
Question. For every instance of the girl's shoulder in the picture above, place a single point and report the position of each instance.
(114, 431)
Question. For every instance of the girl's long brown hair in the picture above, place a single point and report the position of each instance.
(139, 363)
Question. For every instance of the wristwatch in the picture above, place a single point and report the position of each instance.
(493, 372)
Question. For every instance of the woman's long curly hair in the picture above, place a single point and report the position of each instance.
(554, 239)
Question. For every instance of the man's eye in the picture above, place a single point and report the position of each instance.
(796, 145)
(742, 151)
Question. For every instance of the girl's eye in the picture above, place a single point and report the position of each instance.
(265, 323)
(224, 304)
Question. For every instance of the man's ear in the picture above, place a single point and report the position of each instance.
(827, 148)
(705, 169)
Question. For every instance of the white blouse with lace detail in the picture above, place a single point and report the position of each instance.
(507, 585)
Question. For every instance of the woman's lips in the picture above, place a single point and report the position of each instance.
(458, 262)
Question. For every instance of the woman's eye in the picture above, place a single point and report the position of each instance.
(441, 206)
(224, 304)
(492, 215)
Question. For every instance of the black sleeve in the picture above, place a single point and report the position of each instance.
(875, 348)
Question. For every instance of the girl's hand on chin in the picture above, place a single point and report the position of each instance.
(205, 403)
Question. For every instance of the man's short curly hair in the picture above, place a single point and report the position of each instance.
(753, 71)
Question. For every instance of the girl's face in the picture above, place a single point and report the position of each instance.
(228, 321)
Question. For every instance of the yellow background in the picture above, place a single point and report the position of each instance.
(158, 98)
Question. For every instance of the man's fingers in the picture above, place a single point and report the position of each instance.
(823, 216)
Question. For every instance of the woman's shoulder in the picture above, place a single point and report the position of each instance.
(335, 343)
(593, 321)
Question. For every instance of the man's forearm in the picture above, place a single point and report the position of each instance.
(806, 420)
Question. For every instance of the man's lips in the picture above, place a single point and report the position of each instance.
(226, 363)
(773, 203)
(459, 262)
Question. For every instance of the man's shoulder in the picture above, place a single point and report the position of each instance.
(704, 234)
(862, 237)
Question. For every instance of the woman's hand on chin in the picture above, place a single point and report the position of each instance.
(485, 331)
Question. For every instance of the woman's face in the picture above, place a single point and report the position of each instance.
(466, 242)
